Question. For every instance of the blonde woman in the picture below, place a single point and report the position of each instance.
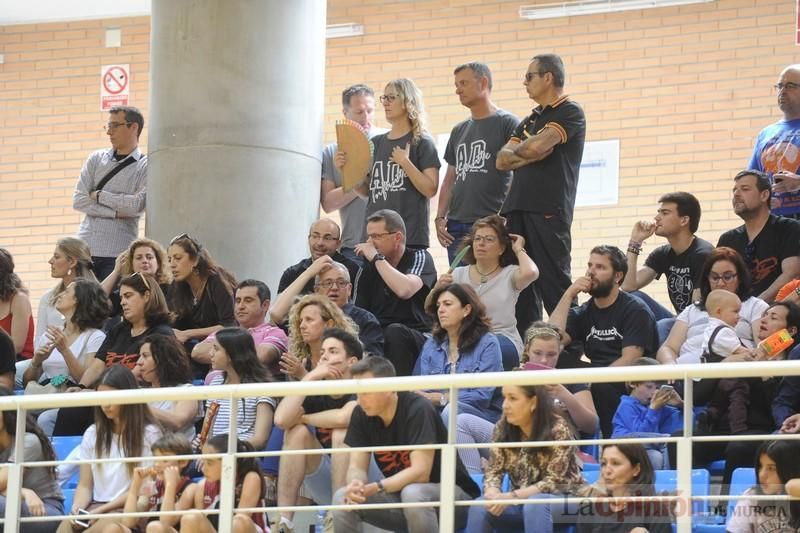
(71, 260)
(308, 319)
(405, 165)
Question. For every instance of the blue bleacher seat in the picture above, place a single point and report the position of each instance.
(68, 495)
(667, 480)
(591, 467)
(63, 446)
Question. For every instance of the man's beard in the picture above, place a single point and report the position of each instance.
(602, 289)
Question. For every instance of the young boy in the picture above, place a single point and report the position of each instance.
(649, 410)
(723, 344)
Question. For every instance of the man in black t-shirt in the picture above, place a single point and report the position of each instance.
(323, 239)
(317, 422)
(411, 475)
(393, 286)
(682, 259)
(545, 154)
(615, 328)
(768, 244)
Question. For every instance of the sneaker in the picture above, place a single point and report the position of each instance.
(283, 527)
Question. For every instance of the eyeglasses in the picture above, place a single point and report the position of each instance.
(387, 98)
(376, 236)
(726, 277)
(488, 239)
(114, 125)
(326, 238)
(789, 86)
(529, 75)
(328, 283)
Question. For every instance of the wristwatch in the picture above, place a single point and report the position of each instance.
(378, 257)
(381, 490)
(443, 400)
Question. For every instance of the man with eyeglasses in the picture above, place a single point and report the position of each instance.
(393, 285)
(111, 190)
(323, 240)
(332, 279)
(769, 244)
(473, 187)
(545, 154)
(358, 105)
(777, 147)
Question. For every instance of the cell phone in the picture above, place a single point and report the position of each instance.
(82, 523)
(666, 388)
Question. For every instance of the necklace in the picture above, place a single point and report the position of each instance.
(196, 297)
(485, 277)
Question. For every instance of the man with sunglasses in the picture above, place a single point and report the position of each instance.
(111, 190)
(777, 147)
(545, 154)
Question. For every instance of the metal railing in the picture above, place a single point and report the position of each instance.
(447, 503)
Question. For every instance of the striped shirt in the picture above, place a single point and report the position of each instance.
(112, 222)
(246, 416)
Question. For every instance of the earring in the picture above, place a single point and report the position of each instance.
(69, 272)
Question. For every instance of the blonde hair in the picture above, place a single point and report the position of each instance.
(163, 275)
(76, 249)
(411, 98)
(327, 310)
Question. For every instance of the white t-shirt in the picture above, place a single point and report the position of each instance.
(87, 342)
(109, 480)
(697, 319)
(762, 516)
(725, 343)
(499, 296)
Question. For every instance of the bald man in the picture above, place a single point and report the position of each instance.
(777, 148)
(324, 238)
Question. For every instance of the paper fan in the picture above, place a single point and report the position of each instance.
(353, 141)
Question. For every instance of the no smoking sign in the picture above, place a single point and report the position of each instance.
(114, 86)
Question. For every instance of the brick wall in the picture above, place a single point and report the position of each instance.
(685, 89)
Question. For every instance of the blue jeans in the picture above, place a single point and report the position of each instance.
(458, 230)
(350, 253)
(532, 518)
(664, 317)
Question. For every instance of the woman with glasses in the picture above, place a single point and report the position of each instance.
(498, 269)
(201, 294)
(405, 165)
(723, 269)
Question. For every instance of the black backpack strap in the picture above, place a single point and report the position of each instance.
(710, 355)
(113, 172)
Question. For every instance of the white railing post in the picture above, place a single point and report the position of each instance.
(14, 483)
(227, 487)
(684, 457)
(447, 479)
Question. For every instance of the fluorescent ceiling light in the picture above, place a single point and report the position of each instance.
(589, 7)
(333, 31)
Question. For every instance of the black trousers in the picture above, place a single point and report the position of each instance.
(606, 398)
(549, 243)
(103, 266)
(402, 346)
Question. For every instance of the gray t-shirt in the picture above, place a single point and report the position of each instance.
(352, 214)
(391, 188)
(479, 188)
(38, 479)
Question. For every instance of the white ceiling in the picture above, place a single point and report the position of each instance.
(33, 11)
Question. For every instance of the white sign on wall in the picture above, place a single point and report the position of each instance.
(115, 86)
(599, 178)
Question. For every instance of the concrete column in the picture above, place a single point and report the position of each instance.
(235, 128)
